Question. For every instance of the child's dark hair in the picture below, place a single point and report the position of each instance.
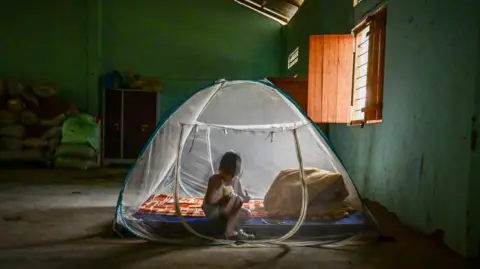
(231, 163)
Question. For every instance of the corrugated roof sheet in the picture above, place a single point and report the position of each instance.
(279, 10)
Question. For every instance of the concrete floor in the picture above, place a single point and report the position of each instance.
(63, 219)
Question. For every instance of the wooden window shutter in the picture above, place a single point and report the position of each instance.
(330, 78)
(315, 78)
(374, 108)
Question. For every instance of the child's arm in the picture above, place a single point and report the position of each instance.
(214, 183)
(241, 191)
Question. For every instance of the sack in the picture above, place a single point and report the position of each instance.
(76, 151)
(56, 121)
(15, 88)
(36, 143)
(53, 143)
(9, 155)
(75, 163)
(54, 132)
(15, 105)
(13, 130)
(11, 143)
(49, 154)
(28, 118)
(45, 90)
(326, 193)
(72, 111)
(54, 106)
(30, 99)
(81, 129)
(7, 117)
(35, 130)
(31, 155)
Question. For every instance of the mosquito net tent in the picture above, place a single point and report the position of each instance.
(300, 191)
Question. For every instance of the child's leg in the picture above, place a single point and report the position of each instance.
(244, 214)
(232, 213)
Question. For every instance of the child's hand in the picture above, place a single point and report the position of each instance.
(224, 200)
(246, 199)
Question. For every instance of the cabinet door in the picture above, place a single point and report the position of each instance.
(112, 123)
(297, 88)
(140, 120)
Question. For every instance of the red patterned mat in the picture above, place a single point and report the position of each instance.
(189, 206)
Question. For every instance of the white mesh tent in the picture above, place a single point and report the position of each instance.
(162, 194)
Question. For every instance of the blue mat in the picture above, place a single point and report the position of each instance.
(356, 218)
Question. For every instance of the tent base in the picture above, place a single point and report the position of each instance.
(323, 232)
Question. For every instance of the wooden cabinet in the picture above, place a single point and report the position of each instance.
(139, 119)
(130, 118)
(112, 124)
(297, 88)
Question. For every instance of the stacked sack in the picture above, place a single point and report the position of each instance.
(80, 146)
(31, 121)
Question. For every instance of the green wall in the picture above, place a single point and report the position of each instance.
(417, 162)
(314, 17)
(187, 43)
(474, 187)
(46, 40)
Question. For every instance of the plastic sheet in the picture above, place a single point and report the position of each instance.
(81, 129)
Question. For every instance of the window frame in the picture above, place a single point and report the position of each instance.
(373, 109)
(293, 58)
(361, 63)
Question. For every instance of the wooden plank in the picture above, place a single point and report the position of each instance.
(330, 79)
(344, 78)
(315, 78)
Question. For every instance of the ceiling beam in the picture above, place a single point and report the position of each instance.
(265, 11)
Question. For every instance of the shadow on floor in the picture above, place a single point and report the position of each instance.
(63, 177)
(105, 234)
(128, 256)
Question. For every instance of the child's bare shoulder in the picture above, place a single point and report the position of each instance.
(215, 180)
